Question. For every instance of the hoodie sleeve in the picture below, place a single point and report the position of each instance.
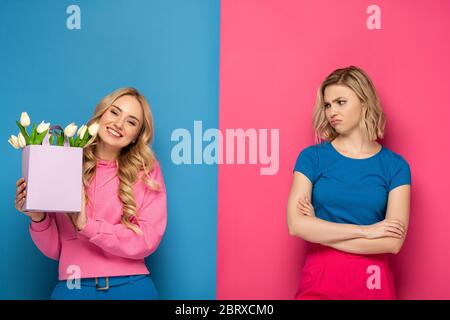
(118, 240)
(45, 235)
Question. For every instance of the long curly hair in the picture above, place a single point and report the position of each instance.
(133, 158)
(372, 120)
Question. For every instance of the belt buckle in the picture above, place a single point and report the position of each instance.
(106, 287)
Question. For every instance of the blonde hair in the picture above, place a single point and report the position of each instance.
(372, 119)
(133, 158)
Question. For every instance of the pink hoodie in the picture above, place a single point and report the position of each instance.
(105, 247)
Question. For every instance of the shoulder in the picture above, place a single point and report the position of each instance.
(155, 171)
(155, 174)
(313, 151)
(398, 168)
(308, 159)
(314, 148)
(395, 159)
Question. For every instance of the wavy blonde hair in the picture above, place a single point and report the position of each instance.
(372, 120)
(133, 158)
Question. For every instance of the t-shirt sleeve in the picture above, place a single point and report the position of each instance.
(307, 163)
(401, 174)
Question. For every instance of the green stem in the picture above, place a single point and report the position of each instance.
(60, 140)
(33, 135)
(40, 137)
(85, 139)
(24, 132)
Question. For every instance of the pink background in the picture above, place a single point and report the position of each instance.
(274, 54)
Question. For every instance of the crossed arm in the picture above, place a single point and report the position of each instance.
(384, 237)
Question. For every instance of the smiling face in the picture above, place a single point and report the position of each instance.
(120, 124)
(343, 108)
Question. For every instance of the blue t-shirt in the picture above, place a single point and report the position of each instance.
(348, 190)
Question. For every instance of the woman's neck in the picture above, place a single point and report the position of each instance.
(356, 144)
(104, 153)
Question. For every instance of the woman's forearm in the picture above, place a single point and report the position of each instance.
(368, 246)
(316, 230)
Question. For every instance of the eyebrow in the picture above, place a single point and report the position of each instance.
(338, 98)
(113, 105)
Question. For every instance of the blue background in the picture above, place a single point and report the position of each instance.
(169, 50)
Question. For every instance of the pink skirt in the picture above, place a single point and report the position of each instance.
(330, 274)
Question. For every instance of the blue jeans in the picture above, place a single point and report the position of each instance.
(136, 287)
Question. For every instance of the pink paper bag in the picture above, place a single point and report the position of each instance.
(54, 178)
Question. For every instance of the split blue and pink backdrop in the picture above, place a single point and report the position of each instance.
(228, 65)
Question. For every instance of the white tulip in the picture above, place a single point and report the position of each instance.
(82, 131)
(24, 119)
(21, 140)
(93, 129)
(14, 142)
(42, 127)
(70, 130)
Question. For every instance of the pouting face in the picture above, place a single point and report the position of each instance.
(121, 122)
(343, 108)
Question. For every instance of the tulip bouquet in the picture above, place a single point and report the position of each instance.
(39, 133)
(41, 159)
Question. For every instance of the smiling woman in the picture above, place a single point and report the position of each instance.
(119, 126)
(123, 216)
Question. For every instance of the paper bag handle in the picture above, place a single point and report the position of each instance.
(51, 131)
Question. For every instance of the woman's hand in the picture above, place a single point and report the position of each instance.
(305, 207)
(79, 219)
(21, 193)
(386, 228)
